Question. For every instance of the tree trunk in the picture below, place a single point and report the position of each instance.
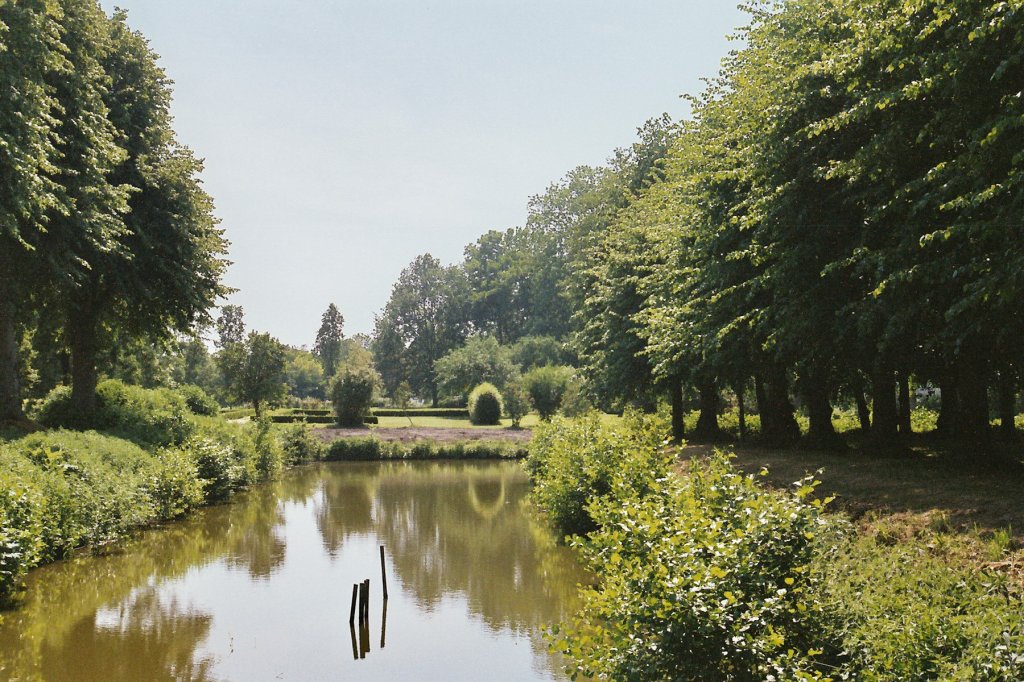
(949, 407)
(433, 394)
(885, 418)
(10, 380)
(778, 425)
(256, 408)
(741, 408)
(707, 428)
(974, 417)
(906, 406)
(1007, 405)
(82, 340)
(863, 411)
(821, 433)
(678, 423)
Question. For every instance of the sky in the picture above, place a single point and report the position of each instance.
(344, 138)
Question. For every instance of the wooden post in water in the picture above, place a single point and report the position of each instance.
(352, 610)
(366, 606)
(383, 575)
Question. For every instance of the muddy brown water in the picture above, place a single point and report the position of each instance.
(260, 589)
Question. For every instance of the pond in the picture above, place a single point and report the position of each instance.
(260, 589)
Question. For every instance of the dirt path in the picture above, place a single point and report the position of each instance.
(415, 433)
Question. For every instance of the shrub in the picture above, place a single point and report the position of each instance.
(150, 417)
(485, 405)
(352, 393)
(905, 612)
(517, 402)
(176, 486)
(269, 455)
(217, 467)
(300, 445)
(480, 360)
(546, 386)
(700, 578)
(573, 463)
(22, 505)
(198, 401)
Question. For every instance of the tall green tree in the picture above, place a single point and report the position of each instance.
(230, 326)
(327, 346)
(254, 370)
(164, 274)
(56, 200)
(423, 320)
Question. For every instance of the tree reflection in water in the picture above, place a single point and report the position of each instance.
(167, 605)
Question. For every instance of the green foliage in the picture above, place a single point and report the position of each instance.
(903, 612)
(372, 449)
(254, 369)
(327, 347)
(176, 486)
(198, 401)
(517, 402)
(218, 467)
(546, 386)
(574, 462)
(480, 360)
(303, 375)
(352, 394)
(300, 445)
(150, 417)
(706, 577)
(575, 402)
(269, 452)
(485, 405)
(538, 351)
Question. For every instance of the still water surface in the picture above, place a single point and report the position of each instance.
(260, 589)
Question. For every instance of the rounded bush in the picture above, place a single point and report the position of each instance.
(352, 394)
(547, 386)
(485, 405)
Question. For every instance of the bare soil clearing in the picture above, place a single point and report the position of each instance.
(415, 433)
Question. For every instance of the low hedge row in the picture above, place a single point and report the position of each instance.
(452, 412)
(312, 419)
(373, 449)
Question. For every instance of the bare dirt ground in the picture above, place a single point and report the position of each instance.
(442, 435)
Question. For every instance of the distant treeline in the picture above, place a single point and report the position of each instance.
(840, 220)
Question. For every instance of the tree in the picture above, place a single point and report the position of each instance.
(57, 203)
(254, 369)
(303, 374)
(422, 321)
(164, 274)
(327, 346)
(481, 360)
(230, 326)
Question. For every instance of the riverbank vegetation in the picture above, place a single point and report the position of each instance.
(712, 574)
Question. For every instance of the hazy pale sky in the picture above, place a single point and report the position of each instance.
(342, 139)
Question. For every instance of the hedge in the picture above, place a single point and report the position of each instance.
(373, 449)
(312, 419)
(451, 412)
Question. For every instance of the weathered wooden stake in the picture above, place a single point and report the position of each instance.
(366, 607)
(383, 575)
(352, 610)
(355, 648)
(384, 623)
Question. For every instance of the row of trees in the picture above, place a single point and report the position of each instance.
(844, 212)
(839, 221)
(106, 234)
